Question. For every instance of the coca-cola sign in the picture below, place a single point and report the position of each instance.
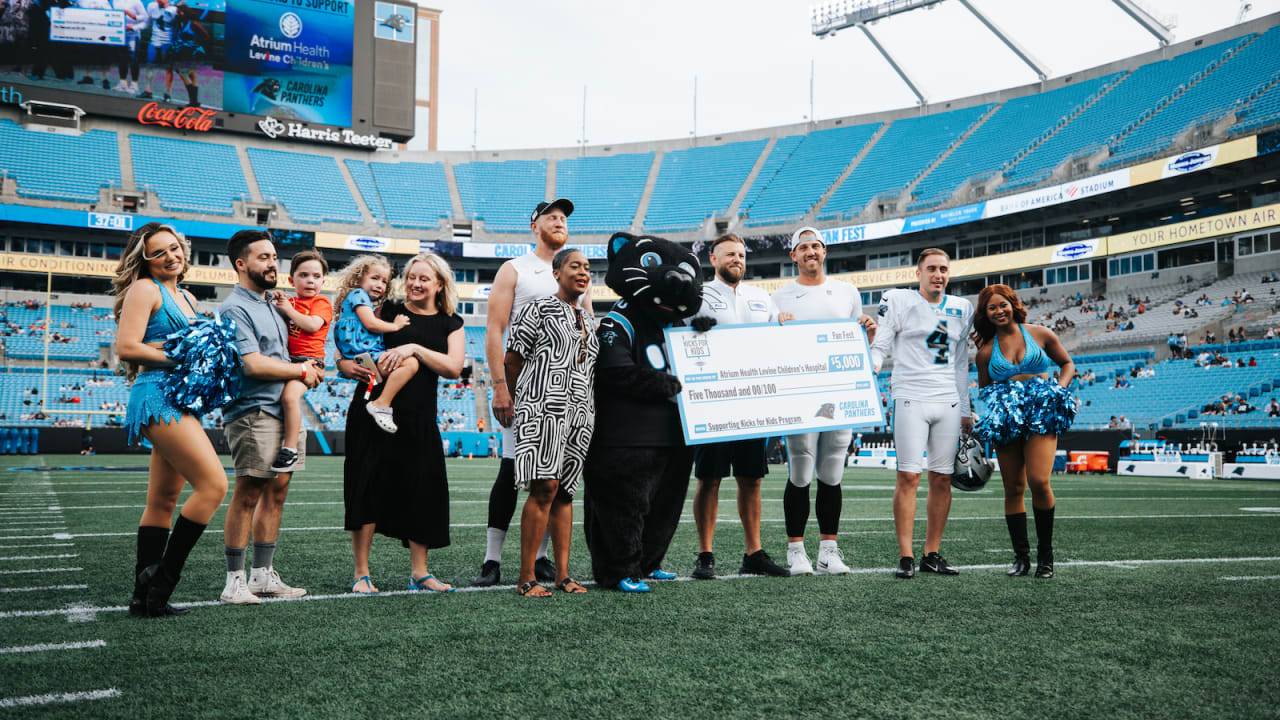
(186, 118)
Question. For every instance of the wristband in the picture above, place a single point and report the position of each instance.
(304, 373)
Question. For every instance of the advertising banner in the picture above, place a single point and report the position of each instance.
(1194, 161)
(290, 59)
(1241, 221)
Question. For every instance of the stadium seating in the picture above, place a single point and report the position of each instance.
(53, 166)
(502, 194)
(1204, 102)
(363, 177)
(1260, 110)
(699, 183)
(188, 176)
(412, 194)
(905, 150)
(1013, 127)
(605, 190)
(778, 157)
(1132, 98)
(805, 173)
(324, 197)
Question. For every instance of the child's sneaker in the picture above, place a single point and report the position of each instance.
(285, 460)
(383, 417)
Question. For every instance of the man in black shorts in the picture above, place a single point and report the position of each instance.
(730, 302)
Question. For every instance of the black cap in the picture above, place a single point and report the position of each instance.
(543, 207)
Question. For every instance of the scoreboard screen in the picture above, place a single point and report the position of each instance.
(202, 64)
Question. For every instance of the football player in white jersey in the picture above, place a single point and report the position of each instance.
(729, 301)
(518, 283)
(814, 296)
(927, 332)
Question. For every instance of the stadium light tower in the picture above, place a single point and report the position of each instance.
(827, 17)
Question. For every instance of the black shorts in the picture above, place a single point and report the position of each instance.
(735, 458)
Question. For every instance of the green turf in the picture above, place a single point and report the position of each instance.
(1103, 639)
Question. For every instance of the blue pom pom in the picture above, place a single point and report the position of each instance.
(1005, 420)
(206, 374)
(1051, 408)
(1015, 409)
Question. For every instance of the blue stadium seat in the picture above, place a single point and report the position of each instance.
(806, 171)
(502, 194)
(309, 186)
(605, 190)
(412, 194)
(54, 166)
(189, 176)
(699, 183)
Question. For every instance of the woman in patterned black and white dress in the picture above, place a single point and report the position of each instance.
(550, 364)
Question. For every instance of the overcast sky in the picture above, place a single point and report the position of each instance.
(529, 62)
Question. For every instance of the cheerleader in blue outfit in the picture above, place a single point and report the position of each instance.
(1026, 410)
(148, 308)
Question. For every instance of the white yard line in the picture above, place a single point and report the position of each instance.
(59, 698)
(39, 571)
(1126, 564)
(43, 588)
(55, 646)
(41, 557)
(1252, 577)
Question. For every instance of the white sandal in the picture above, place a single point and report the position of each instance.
(382, 416)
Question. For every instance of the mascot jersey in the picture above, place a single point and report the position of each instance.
(630, 338)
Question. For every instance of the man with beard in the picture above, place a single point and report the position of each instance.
(518, 283)
(814, 296)
(254, 422)
(729, 302)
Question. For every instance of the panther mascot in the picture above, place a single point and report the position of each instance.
(637, 469)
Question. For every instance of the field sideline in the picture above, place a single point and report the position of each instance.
(1164, 605)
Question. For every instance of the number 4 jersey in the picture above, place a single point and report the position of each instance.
(929, 344)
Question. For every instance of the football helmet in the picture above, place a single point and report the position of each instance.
(973, 468)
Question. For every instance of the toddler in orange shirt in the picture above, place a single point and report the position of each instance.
(309, 314)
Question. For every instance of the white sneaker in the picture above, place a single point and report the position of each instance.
(266, 582)
(831, 562)
(121, 86)
(237, 592)
(133, 87)
(799, 562)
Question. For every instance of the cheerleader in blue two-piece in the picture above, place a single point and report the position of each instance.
(1025, 411)
(149, 308)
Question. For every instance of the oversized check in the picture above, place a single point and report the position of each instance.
(86, 25)
(761, 380)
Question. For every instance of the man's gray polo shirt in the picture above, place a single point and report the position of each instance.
(259, 329)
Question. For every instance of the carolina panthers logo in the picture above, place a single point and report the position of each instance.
(608, 337)
(828, 411)
(883, 309)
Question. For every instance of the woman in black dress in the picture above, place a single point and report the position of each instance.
(395, 484)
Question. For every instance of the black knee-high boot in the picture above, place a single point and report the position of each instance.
(1017, 524)
(151, 542)
(163, 577)
(1044, 542)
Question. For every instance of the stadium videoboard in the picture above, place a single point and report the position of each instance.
(198, 65)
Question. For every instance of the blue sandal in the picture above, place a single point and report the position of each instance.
(368, 583)
(420, 585)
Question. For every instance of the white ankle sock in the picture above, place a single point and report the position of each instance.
(797, 545)
(826, 545)
(493, 539)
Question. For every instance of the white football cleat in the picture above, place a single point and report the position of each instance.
(831, 562)
(798, 561)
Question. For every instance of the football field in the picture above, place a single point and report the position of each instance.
(1165, 604)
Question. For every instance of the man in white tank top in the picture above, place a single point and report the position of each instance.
(519, 282)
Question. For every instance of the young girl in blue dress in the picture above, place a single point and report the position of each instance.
(362, 287)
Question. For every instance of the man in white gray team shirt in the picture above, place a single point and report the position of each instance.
(518, 283)
(814, 296)
(729, 301)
